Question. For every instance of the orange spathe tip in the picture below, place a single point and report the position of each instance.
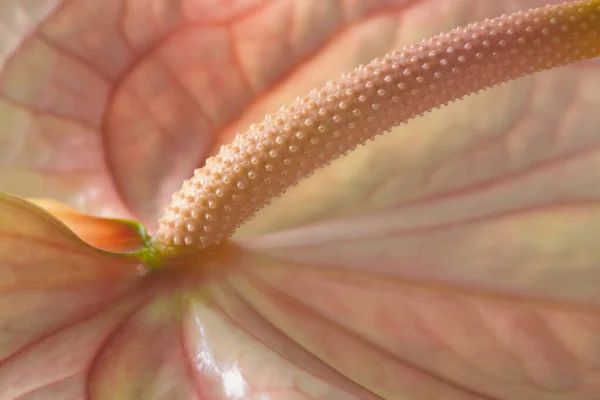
(332, 120)
(107, 234)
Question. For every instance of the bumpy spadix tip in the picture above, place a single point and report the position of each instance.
(291, 143)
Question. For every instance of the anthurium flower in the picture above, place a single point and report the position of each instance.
(485, 290)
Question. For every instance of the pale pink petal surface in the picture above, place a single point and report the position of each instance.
(455, 257)
(78, 323)
(73, 116)
(57, 302)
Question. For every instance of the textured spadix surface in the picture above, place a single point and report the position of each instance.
(261, 163)
(452, 259)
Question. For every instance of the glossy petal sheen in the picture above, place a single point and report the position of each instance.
(470, 234)
(502, 306)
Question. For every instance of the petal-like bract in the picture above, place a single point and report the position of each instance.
(455, 258)
(118, 236)
(59, 299)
